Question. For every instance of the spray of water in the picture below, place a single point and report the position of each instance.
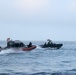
(11, 51)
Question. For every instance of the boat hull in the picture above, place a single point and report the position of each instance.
(28, 48)
(21, 48)
(56, 46)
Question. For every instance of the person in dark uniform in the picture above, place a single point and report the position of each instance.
(10, 43)
(49, 42)
(30, 44)
(0, 47)
(45, 44)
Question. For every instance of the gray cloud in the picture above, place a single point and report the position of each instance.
(54, 19)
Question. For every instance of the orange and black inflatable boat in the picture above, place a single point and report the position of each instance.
(28, 48)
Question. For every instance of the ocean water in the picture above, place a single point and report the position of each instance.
(39, 61)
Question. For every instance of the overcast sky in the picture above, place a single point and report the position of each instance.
(38, 20)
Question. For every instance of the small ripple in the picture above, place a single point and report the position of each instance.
(56, 73)
(18, 73)
(65, 61)
(4, 74)
(40, 73)
(73, 70)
